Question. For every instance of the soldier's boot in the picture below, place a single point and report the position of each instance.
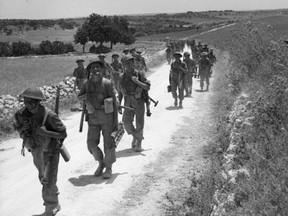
(175, 103)
(201, 88)
(138, 146)
(108, 173)
(51, 211)
(180, 104)
(207, 88)
(99, 170)
(133, 144)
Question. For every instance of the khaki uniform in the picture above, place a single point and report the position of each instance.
(204, 71)
(188, 77)
(133, 97)
(177, 80)
(94, 95)
(45, 151)
(80, 74)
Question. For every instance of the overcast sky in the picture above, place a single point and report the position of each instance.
(49, 9)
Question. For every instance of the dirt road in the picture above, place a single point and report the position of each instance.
(173, 142)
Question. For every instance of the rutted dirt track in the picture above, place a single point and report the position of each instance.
(174, 139)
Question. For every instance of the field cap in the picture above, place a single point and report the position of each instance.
(95, 62)
(115, 55)
(139, 52)
(79, 60)
(126, 50)
(101, 55)
(127, 58)
(186, 54)
(177, 54)
(34, 93)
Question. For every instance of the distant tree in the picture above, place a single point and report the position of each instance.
(45, 47)
(21, 48)
(5, 49)
(58, 47)
(81, 36)
(69, 47)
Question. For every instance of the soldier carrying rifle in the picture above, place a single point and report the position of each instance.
(133, 85)
(41, 129)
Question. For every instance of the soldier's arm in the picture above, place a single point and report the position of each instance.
(141, 81)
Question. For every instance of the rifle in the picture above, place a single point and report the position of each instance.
(84, 111)
(63, 151)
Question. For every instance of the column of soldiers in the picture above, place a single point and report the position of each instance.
(182, 72)
(172, 47)
(101, 87)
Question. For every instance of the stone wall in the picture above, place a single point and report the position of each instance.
(9, 104)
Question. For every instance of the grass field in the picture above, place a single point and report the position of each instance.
(279, 23)
(16, 74)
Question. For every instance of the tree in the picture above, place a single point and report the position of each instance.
(21, 48)
(81, 36)
(98, 28)
(45, 47)
(58, 47)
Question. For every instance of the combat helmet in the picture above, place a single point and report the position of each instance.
(34, 93)
(186, 54)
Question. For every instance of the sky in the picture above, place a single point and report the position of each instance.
(52, 9)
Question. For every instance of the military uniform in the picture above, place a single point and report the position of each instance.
(93, 94)
(80, 74)
(117, 70)
(177, 80)
(44, 149)
(140, 63)
(134, 98)
(204, 70)
(188, 77)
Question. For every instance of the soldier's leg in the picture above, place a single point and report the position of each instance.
(174, 91)
(127, 119)
(186, 85)
(140, 118)
(50, 190)
(207, 82)
(93, 140)
(181, 94)
(38, 160)
(202, 82)
(190, 82)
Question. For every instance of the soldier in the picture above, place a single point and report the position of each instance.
(191, 69)
(168, 54)
(108, 69)
(133, 84)
(117, 70)
(212, 58)
(140, 63)
(176, 78)
(41, 130)
(80, 74)
(204, 70)
(125, 53)
(99, 96)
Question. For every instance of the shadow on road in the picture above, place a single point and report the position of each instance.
(130, 153)
(172, 108)
(84, 180)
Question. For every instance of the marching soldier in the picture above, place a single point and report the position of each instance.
(125, 53)
(168, 54)
(99, 96)
(133, 84)
(204, 70)
(176, 78)
(212, 58)
(188, 77)
(140, 63)
(107, 67)
(41, 130)
(117, 70)
(80, 74)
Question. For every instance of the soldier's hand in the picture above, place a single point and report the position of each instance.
(41, 131)
(134, 79)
